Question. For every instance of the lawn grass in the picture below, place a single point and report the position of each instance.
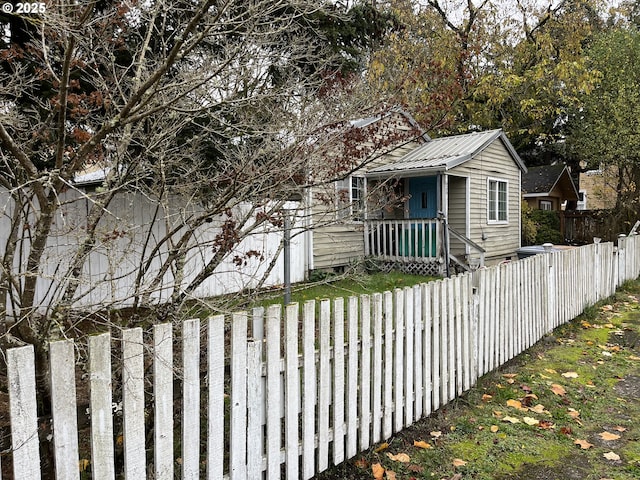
(334, 287)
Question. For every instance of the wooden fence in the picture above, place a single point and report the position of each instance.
(272, 394)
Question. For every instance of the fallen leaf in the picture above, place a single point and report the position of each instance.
(633, 357)
(566, 431)
(437, 434)
(558, 390)
(546, 425)
(361, 463)
(609, 325)
(570, 375)
(515, 404)
(486, 397)
(526, 388)
(510, 381)
(400, 457)
(607, 308)
(457, 476)
(612, 456)
(530, 421)
(539, 408)
(457, 462)
(494, 428)
(391, 475)
(415, 468)
(550, 370)
(421, 444)
(381, 447)
(607, 354)
(584, 445)
(619, 429)
(608, 436)
(510, 419)
(497, 413)
(509, 375)
(573, 413)
(83, 464)
(378, 471)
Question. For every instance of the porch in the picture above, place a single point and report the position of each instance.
(422, 243)
(404, 240)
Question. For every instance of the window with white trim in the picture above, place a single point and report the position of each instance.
(546, 205)
(350, 198)
(497, 204)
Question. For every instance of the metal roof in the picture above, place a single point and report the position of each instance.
(441, 154)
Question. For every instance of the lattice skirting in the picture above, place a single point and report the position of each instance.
(413, 268)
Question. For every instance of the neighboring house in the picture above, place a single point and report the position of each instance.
(598, 188)
(454, 198)
(550, 187)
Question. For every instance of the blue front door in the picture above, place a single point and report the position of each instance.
(424, 197)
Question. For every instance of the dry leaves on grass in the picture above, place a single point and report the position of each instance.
(458, 462)
(608, 436)
(573, 413)
(611, 456)
(539, 408)
(570, 375)
(378, 471)
(530, 421)
(400, 457)
(421, 444)
(516, 404)
(558, 390)
(381, 447)
(509, 419)
(584, 444)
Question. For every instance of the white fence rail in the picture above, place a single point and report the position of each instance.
(287, 394)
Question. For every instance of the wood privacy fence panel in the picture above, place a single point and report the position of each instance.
(285, 394)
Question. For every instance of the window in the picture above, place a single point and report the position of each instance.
(497, 201)
(350, 198)
(546, 205)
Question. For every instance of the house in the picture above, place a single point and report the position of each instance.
(550, 187)
(598, 188)
(337, 208)
(430, 202)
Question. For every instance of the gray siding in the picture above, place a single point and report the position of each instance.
(500, 241)
(338, 245)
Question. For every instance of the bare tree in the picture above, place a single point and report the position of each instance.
(155, 136)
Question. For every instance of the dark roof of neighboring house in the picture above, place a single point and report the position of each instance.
(441, 154)
(542, 180)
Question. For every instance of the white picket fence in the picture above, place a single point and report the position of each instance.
(287, 394)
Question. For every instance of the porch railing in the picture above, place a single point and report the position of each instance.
(410, 240)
